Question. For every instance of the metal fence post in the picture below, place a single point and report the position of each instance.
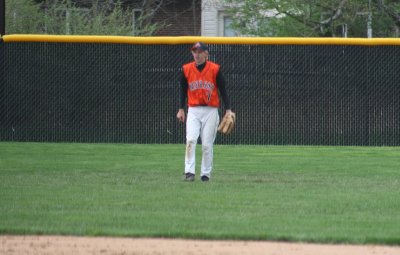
(2, 17)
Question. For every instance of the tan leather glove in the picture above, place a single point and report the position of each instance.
(227, 124)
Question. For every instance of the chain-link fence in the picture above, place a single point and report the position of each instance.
(129, 93)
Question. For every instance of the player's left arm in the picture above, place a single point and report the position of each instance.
(222, 90)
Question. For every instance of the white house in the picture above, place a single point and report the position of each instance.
(215, 21)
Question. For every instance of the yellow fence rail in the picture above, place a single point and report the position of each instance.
(191, 39)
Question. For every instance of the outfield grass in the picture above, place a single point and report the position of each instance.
(294, 193)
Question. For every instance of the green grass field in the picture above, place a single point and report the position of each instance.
(293, 193)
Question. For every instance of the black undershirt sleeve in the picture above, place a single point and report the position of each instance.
(222, 90)
(183, 92)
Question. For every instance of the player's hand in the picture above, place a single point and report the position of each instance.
(181, 115)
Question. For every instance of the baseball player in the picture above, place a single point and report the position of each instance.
(201, 84)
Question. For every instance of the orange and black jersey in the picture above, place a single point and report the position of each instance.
(201, 88)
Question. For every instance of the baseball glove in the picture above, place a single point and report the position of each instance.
(227, 124)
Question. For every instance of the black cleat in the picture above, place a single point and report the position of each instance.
(205, 178)
(189, 177)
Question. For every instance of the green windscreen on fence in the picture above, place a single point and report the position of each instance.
(306, 94)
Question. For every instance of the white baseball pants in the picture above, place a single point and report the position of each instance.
(203, 121)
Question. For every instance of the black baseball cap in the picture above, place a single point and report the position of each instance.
(201, 46)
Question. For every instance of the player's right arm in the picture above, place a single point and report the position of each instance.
(182, 98)
(181, 115)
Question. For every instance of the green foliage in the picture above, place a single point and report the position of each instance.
(64, 17)
(22, 16)
(295, 193)
(314, 17)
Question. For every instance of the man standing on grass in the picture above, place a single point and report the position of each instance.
(201, 84)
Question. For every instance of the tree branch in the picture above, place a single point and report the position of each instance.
(336, 14)
(395, 16)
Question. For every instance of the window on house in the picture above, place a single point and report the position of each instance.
(228, 30)
(225, 25)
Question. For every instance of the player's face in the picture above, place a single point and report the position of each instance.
(199, 56)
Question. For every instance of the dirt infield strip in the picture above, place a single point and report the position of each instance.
(56, 245)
